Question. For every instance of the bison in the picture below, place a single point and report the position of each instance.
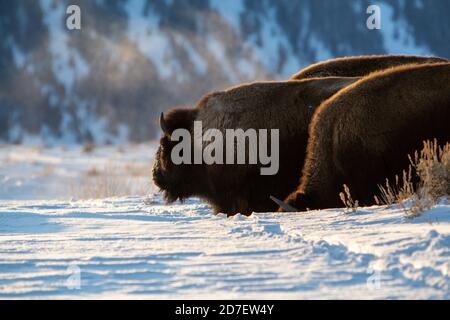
(287, 106)
(364, 133)
(360, 66)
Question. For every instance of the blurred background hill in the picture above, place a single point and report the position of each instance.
(132, 59)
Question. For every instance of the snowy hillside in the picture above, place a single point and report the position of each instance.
(133, 59)
(137, 247)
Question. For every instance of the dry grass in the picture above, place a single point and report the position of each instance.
(399, 191)
(88, 147)
(432, 167)
(112, 180)
(93, 172)
(347, 200)
(138, 169)
(47, 171)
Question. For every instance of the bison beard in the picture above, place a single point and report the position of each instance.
(364, 134)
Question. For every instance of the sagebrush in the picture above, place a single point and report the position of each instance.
(431, 167)
(112, 180)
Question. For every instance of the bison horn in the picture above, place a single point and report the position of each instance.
(284, 206)
(162, 123)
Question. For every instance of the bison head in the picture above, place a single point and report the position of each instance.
(180, 181)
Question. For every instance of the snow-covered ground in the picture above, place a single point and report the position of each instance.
(56, 243)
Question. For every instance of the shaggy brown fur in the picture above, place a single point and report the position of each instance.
(287, 106)
(360, 66)
(363, 134)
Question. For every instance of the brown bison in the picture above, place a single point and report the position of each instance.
(231, 188)
(364, 134)
(238, 188)
(360, 66)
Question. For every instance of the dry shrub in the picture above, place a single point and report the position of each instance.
(47, 171)
(112, 180)
(138, 169)
(88, 147)
(93, 172)
(397, 192)
(432, 167)
(347, 200)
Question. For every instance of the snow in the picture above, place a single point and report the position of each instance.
(217, 48)
(231, 11)
(18, 56)
(55, 245)
(152, 42)
(68, 64)
(321, 51)
(272, 40)
(194, 56)
(397, 35)
(33, 172)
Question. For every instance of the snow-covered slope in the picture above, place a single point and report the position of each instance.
(132, 59)
(138, 247)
